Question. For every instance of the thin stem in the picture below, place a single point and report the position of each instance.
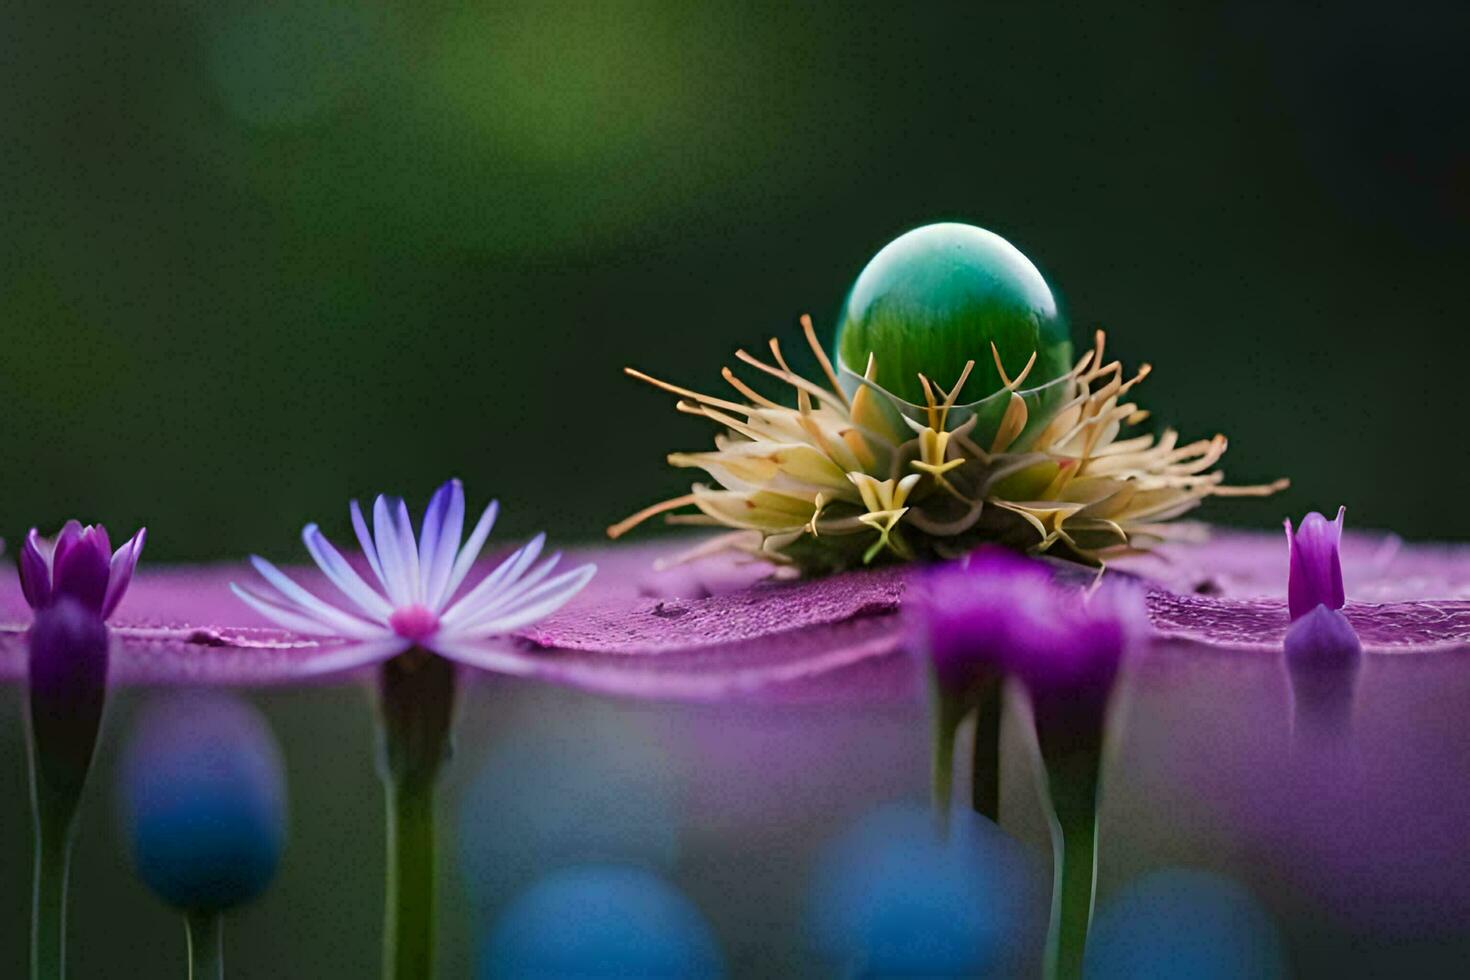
(985, 760)
(946, 718)
(417, 693)
(1073, 782)
(48, 909)
(206, 934)
(408, 929)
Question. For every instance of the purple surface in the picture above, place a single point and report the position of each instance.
(715, 629)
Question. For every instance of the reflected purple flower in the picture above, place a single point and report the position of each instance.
(1323, 638)
(1316, 568)
(79, 562)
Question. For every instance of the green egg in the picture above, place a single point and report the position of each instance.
(939, 296)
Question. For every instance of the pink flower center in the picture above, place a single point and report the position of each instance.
(415, 623)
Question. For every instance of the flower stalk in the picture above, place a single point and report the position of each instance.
(985, 754)
(68, 690)
(1073, 770)
(416, 707)
(206, 935)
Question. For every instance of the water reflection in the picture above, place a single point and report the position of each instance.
(890, 897)
(1185, 923)
(600, 921)
(551, 794)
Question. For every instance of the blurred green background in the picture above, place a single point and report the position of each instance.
(257, 258)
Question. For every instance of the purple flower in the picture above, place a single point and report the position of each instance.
(1315, 577)
(79, 562)
(418, 578)
(715, 629)
(999, 611)
(964, 613)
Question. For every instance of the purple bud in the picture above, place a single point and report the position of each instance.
(1315, 577)
(78, 563)
(68, 687)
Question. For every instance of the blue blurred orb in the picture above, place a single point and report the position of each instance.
(203, 799)
(889, 897)
(1184, 923)
(601, 921)
(602, 788)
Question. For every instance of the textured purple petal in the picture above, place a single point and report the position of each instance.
(1261, 624)
(765, 611)
(1375, 567)
(860, 659)
(719, 627)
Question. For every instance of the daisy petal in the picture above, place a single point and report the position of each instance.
(436, 550)
(409, 551)
(504, 574)
(365, 542)
(354, 655)
(540, 602)
(390, 551)
(508, 594)
(290, 619)
(328, 615)
(471, 550)
(342, 574)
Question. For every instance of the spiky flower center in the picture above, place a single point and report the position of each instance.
(854, 473)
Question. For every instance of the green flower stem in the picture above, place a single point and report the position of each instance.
(417, 693)
(408, 938)
(1072, 782)
(948, 710)
(48, 909)
(206, 934)
(985, 760)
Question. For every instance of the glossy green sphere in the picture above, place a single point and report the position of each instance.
(937, 297)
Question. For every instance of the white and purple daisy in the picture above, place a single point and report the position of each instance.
(418, 601)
